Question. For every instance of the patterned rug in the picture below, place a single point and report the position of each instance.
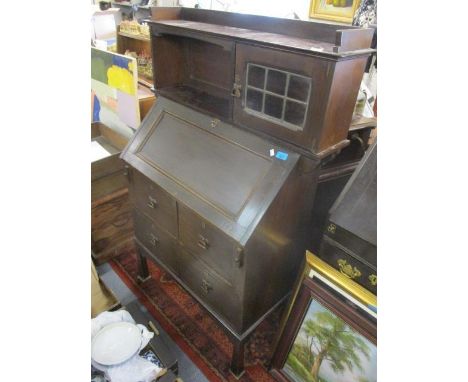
(193, 329)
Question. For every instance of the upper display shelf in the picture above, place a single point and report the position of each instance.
(327, 39)
(291, 80)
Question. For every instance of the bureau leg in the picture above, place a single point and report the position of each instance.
(143, 272)
(237, 360)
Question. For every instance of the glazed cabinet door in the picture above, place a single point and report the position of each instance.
(280, 93)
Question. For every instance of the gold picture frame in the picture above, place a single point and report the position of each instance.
(334, 10)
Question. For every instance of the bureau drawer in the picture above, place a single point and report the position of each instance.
(155, 239)
(155, 202)
(218, 295)
(362, 273)
(207, 242)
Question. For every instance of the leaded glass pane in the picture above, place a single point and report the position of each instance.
(276, 81)
(254, 99)
(256, 76)
(277, 95)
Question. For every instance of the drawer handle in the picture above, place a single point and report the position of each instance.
(121, 220)
(206, 286)
(373, 279)
(154, 240)
(348, 270)
(152, 203)
(203, 242)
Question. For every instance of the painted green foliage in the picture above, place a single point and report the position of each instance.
(327, 338)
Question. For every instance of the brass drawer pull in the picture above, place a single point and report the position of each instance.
(203, 242)
(154, 240)
(348, 270)
(152, 203)
(373, 279)
(206, 286)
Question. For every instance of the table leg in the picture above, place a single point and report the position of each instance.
(237, 360)
(143, 272)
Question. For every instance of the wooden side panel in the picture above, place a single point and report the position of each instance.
(111, 225)
(343, 94)
(279, 241)
(168, 61)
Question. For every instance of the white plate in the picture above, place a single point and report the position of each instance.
(115, 343)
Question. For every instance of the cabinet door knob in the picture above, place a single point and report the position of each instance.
(152, 202)
(373, 279)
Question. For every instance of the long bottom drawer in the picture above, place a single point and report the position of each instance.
(220, 297)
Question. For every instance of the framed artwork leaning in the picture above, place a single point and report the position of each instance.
(329, 336)
(334, 10)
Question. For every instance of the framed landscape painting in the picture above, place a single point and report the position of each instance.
(334, 10)
(326, 339)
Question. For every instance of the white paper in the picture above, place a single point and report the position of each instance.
(98, 152)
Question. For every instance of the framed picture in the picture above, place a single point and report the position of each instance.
(328, 337)
(334, 10)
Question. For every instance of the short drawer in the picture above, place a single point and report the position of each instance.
(219, 296)
(155, 239)
(335, 255)
(153, 201)
(207, 242)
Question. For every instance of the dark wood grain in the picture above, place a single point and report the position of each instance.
(238, 217)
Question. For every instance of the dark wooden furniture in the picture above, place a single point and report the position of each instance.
(335, 173)
(292, 80)
(350, 238)
(223, 188)
(111, 219)
(215, 210)
(339, 301)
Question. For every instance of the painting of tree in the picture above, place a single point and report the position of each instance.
(325, 338)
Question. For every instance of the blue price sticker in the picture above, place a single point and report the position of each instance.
(281, 155)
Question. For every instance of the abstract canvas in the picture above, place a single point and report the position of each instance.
(114, 91)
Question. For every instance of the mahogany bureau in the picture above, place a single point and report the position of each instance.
(223, 169)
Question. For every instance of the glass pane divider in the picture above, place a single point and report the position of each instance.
(277, 95)
(285, 98)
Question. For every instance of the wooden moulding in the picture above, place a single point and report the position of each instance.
(334, 38)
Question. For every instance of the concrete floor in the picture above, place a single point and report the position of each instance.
(188, 371)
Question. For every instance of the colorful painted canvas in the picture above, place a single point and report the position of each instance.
(334, 10)
(114, 91)
(326, 349)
